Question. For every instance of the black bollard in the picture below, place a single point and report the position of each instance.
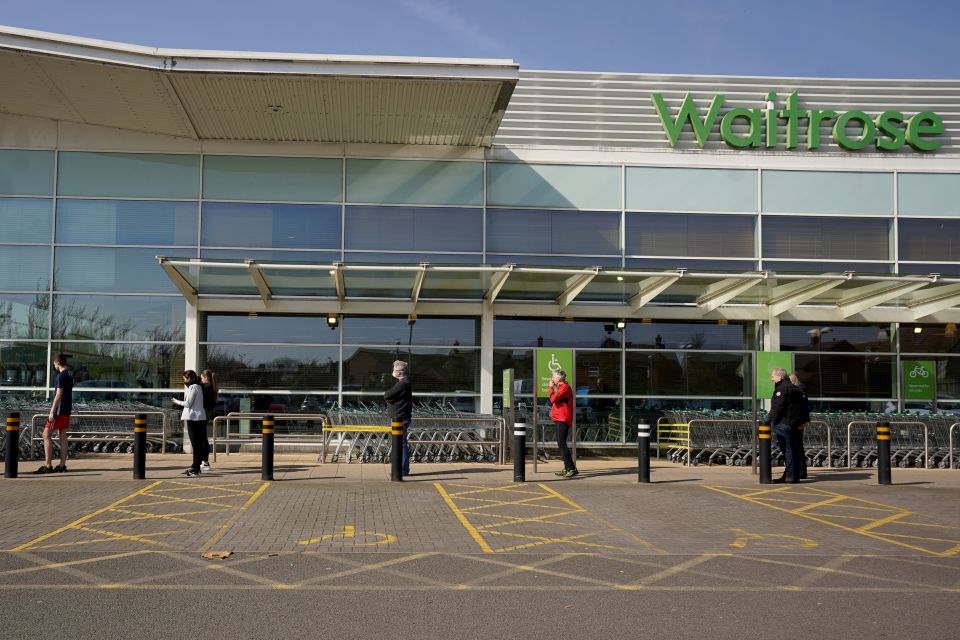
(140, 446)
(520, 450)
(883, 453)
(396, 451)
(643, 452)
(12, 436)
(266, 448)
(763, 435)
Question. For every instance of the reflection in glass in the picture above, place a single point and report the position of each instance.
(555, 332)
(826, 238)
(597, 372)
(431, 370)
(154, 319)
(575, 232)
(929, 338)
(272, 367)
(23, 364)
(598, 420)
(119, 366)
(689, 234)
(521, 361)
(147, 222)
(929, 240)
(289, 226)
(24, 268)
(413, 229)
(111, 270)
(267, 328)
(683, 373)
(846, 376)
(689, 335)
(25, 219)
(836, 337)
(424, 331)
(24, 316)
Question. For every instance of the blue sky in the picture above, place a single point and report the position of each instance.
(833, 38)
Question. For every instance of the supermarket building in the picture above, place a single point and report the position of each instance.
(296, 222)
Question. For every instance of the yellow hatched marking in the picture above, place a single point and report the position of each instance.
(822, 503)
(463, 519)
(864, 530)
(562, 507)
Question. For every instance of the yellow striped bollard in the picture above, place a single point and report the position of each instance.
(396, 451)
(266, 448)
(763, 435)
(140, 446)
(12, 441)
(883, 453)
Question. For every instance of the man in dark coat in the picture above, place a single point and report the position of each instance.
(805, 417)
(784, 420)
(399, 399)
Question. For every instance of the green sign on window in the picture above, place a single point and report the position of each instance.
(767, 361)
(919, 380)
(550, 360)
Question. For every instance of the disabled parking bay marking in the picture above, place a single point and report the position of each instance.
(349, 532)
(518, 517)
(875, 520)
(162, 509)
(774, 540)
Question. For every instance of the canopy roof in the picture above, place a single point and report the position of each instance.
(230, 95)
(249, 286)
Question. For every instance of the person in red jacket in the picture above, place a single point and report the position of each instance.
(561, 410)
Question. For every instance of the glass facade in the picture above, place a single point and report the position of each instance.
(81, 231)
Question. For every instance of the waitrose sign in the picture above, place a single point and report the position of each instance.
(853, 130)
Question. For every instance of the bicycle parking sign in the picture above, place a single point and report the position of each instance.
(919, 380)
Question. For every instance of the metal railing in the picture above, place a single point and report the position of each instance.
(73, 434)
(950, 454)
(717, 445)
(926, 438)
(280, 439)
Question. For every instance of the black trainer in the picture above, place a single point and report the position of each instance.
(60, 468)
(44, 469)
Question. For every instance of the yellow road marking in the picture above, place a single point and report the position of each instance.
(883, 537)
(814, 505)
(256, 494)
(883, 521)
(542, 540)
(78, 521)
(236, 516)
(463, 519)
(674, 570)
(72, 563)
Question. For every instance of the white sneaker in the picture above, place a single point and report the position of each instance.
(204, 466)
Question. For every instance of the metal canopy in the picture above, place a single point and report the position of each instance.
(246, 285)
(230, 95)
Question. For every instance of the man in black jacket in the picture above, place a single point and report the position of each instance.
(399, 399)
(805, 418)
(785, 419)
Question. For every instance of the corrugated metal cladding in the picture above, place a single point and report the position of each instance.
(374, 110)
(555, 108)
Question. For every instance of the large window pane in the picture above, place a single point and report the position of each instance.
(268, 328)
(369, 257)
(682, 234)
(687, 374)
(121, 366)
(111, 270)
(693, 264)
(827, 238)
(431, 370)
(577, 232)
(272, 367)
(929, 338)
(552, 261)
(597, 372)
(128, 175)
(929, 240)
(842, 192)
(689, 335)
(24, 268)
(836, 337)
(555, 332)
(293, 226)
(673, 189)
(414, 182)
(272, 179)
(424, 331)
(846, 376)
(598, 420)
(25, 219)
(147, 222)
(521, 361)
(26, 172)
(118, 318)
(24, 316)
(801, 266)
(553, 186)
(933, 194)
(414, 229)
(23, 364)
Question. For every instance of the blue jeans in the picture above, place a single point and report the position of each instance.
(405, 468)
(785, 440)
